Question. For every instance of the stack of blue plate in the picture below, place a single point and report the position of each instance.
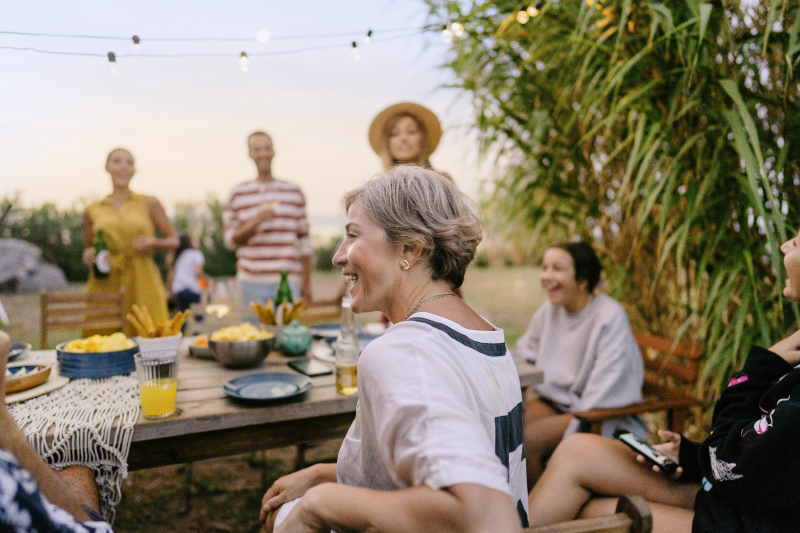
(95, 365)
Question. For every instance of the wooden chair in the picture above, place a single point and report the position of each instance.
(324, 311)
(632, 516)
(671, 371)
(81, 310)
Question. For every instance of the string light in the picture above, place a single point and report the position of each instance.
(356, 54)
(457, 28)
(262, 36)
(243, 61)
(447, 35)
(135, 42)
(368, 38)
(112, 62)
(533, 10)
(522, 15)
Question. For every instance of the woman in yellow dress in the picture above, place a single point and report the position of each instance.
(128, 221)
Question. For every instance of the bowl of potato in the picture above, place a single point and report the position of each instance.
(241, 346)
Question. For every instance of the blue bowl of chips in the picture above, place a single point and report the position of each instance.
(95, 364)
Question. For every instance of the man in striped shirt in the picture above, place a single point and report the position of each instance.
(264, 220)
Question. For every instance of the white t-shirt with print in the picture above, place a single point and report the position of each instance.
(438, 405)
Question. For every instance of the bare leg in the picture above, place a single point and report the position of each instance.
(80, 480)
(585, 465)
(666, 518)
(544, 427)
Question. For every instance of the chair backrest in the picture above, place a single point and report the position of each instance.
(669, 366)
(81, 311)
(633, 516)
(318, 312)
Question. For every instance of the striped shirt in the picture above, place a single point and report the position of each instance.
(278, 243)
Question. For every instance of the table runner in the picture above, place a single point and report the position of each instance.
(90, 422)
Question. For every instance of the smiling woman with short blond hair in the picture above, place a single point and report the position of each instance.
(437, 440)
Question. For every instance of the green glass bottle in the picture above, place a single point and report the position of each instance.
(284, 291)
(102, 257)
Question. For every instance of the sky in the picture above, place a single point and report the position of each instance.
(186, 120)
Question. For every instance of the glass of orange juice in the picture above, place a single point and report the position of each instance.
(158, 384)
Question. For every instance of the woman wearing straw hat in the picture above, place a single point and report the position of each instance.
(405, 133)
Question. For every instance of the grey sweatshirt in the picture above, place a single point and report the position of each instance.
(589, 358)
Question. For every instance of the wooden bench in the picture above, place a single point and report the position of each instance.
(632, 516)
(671, 371)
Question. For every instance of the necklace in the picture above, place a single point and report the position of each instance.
(427, 299)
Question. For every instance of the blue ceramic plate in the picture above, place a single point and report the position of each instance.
(329, 332)
(267, 386)
(95, 365)
(16, 349)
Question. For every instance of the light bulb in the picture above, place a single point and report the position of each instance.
(533, 11)
(112, 62)
(356, 54)
(243, 61)
(447, 35)
(368, 37)
(457, 28)
(262, 36)
(522, 16)
(136, 42)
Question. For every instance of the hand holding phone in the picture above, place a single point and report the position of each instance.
(648, 452)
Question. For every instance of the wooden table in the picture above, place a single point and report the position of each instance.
(209, 424)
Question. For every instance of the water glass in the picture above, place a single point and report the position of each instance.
(158, 384)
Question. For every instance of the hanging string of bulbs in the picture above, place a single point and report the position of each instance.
(262, 37)
(526, 12)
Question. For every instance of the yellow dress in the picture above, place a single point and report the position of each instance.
(136, 273)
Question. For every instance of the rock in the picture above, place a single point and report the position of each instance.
(22, 268)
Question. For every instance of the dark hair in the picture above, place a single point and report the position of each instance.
(255, 133)
(587, 265)
(184, 243)
(120, 149)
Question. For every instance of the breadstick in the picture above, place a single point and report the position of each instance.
(183, 317)
(148, 321)
(173, 324)
(136, 325)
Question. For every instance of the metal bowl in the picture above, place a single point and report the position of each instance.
(242, 354)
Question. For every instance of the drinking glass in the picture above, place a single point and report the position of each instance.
(158, 384)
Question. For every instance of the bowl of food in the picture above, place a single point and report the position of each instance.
(241, 346)
(24, 376)
(99, 356)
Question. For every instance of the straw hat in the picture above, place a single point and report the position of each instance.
(426, 117)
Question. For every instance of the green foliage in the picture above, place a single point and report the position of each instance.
(219, 260)
(58, 234)
(323, 254)
(668, 134)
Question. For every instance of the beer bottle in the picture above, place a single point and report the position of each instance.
(346, 350)
(102, 257)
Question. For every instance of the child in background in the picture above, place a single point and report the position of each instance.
(186, 273)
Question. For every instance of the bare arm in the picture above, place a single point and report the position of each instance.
(13, 441)
(147, 243)
(462, 508)
(88, 240)
(247, 229)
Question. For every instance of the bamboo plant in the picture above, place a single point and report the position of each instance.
(667, 134)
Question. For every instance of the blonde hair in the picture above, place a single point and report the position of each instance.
(421, 207)
(386, 157)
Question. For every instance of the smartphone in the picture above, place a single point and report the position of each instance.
(311, 367)
(650, 453)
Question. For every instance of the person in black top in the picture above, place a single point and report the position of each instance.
(744, 477)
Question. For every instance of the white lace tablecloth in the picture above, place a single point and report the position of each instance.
(87, 422)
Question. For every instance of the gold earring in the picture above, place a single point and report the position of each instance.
(407, 265)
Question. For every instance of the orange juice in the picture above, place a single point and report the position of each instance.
(158, 397)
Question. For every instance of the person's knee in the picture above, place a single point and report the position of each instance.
(576, 451)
